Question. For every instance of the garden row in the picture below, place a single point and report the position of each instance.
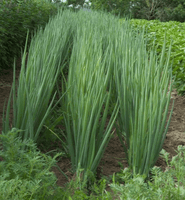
(26, 174)
(81, 73)
(111, 80)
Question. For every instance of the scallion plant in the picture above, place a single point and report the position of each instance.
(88, 97)
(33, 97)
(142, 83)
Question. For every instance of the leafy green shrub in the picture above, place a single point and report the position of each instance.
(163, 185)
(25, 172)
(160, 185)
(173, 32)
(16, 18)
(78, 189)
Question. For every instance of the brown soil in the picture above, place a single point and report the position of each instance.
(114, 152)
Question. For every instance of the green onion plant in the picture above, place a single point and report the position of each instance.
(33, 96)
(108, 64)
(88, 96)
(142, 83)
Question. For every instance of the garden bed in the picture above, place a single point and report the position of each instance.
(114, 152)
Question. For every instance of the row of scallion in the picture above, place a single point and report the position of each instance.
(108, 66)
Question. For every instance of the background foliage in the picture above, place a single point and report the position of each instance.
(164, 10)
(156, 31)
(16, 18)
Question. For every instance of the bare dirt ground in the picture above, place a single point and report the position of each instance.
(114, 152)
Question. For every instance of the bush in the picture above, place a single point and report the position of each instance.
(115, 7)
(16, 18)
(161, 185)
(25, 172)
(163, 10)
(173, 32)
